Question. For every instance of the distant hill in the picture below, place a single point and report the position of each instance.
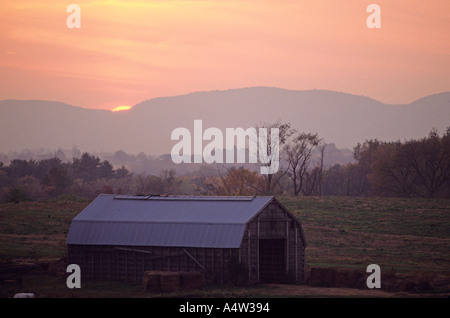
(340, 118)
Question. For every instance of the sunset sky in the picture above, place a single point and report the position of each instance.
(129, 51)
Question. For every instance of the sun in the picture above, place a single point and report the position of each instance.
(121, 108)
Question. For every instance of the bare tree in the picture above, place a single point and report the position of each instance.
(320, 168)
(272, 181)
(298, 154)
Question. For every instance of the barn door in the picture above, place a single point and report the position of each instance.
(272, 260)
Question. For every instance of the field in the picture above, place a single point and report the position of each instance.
(405, 237)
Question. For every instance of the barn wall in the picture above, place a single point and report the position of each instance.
(130, 262)
(274, 223)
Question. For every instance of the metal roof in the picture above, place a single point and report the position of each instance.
(184, 221)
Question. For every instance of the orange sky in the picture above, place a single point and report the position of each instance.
(129, 51)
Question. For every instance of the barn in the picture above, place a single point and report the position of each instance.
(255, 239)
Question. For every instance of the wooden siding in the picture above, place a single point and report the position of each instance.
(130, 262)
(274, 223)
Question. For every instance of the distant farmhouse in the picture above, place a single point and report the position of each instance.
(119, 237)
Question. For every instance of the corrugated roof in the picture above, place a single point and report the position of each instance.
(214, 222)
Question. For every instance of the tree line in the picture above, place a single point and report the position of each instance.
(24, 180)
(412, 168)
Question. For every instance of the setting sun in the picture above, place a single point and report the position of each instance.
(121, 108)
(132, 51)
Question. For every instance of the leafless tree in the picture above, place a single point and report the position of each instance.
(272, 181)
(298, 154)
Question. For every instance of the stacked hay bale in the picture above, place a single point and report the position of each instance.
(167, 282)
(152, 281)
(349, 278)
(170, 282)
(337, 277)
(352, 278)
(191, 280)
(322, 276)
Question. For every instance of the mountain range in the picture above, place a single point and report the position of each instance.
(340, 118)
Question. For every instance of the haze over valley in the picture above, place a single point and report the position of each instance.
(339, 118)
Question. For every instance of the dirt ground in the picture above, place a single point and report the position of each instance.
(49, 283)
(309, 291)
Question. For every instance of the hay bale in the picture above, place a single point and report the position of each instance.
(361, 283)
(408, 286)
(424, 285)
(341, 278)
(56, 268)
(162, 281)
(322, 277)
(354, 279)
(170, 282)
(347, 278)
(390, 284)
(316, 276)
(151, 281)
(191, 280)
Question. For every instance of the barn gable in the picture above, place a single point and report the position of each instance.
(186, 233)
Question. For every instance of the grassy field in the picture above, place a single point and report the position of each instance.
(403, 236)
